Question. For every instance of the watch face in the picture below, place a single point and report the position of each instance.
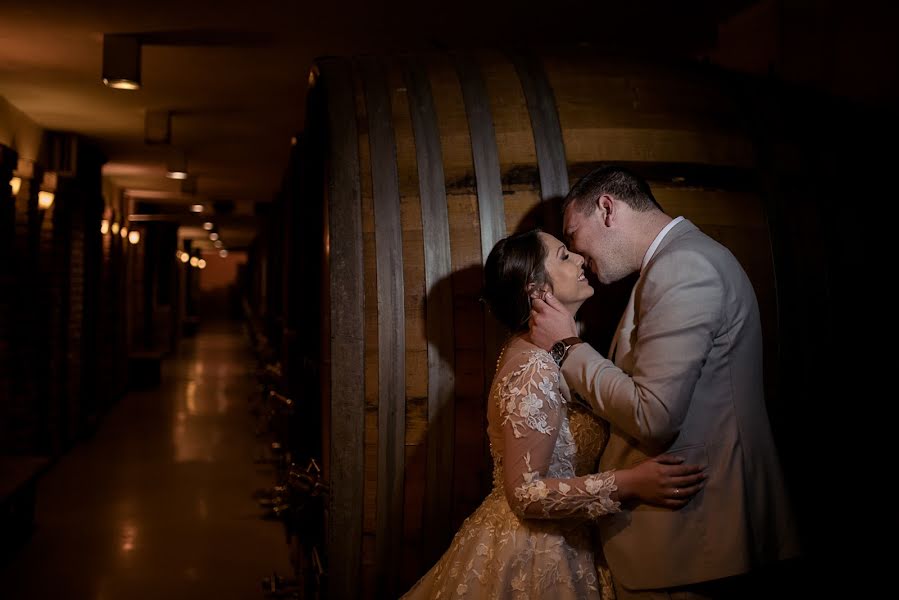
(557, 351)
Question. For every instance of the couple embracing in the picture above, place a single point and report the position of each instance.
(648, 471)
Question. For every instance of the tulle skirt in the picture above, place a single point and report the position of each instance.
(497, 555)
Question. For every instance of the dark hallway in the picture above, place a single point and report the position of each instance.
(158, 504)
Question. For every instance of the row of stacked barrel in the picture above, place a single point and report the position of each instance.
(296, 495)
(410, 168)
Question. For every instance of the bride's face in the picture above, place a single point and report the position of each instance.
(566, 272)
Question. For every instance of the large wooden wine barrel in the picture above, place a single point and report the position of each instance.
(413, 168)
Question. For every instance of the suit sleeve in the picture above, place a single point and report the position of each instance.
(678, 314)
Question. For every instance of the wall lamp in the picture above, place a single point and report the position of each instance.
(45, 199)
(46, 195)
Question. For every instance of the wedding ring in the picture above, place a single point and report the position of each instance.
(677, 491)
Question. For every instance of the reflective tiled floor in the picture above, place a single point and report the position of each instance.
(158, 504)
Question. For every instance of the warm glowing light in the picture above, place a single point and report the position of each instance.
(194, 261)
(213, 236)
(134, 237)
(196, 208)
(208, 226)
(190, 397)
(123, 232)
(45, 199)
(104, 226)
(176, 165)
(218, 243)
(128, 536)
(223, 253)
(201, 263)
(121, 84)
(115, 229)
(185, 257)
(16, 184)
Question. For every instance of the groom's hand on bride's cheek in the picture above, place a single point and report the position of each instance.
(550, 322)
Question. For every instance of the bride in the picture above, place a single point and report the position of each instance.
(530, 537)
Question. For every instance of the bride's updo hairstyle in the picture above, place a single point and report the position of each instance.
(514, 268)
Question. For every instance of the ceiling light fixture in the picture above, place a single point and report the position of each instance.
(16, 184)
(121, 61)
(134, 237)
(158, 127)
(177, 165)
(196, 208)
(208, 226)
(213, 236)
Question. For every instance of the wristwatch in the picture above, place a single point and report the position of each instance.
(560, 348)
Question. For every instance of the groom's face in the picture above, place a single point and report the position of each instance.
(588, 236)
(584, 236)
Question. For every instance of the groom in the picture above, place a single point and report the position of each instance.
(684, 376)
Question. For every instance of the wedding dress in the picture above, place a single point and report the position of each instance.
(532, 537)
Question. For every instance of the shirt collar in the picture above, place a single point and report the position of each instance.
(655, 243)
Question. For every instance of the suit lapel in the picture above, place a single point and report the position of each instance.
(620, 352)
(621, 348)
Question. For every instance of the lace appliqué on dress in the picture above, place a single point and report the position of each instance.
(530, 538)
(531, 405)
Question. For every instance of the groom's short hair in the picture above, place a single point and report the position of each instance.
(615, 181)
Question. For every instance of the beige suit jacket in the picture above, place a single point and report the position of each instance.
(687, 379)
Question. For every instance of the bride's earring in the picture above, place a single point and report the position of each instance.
(536, 293)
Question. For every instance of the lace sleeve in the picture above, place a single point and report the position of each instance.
(532, 411)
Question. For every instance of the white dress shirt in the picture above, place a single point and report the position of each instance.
(655, 243)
